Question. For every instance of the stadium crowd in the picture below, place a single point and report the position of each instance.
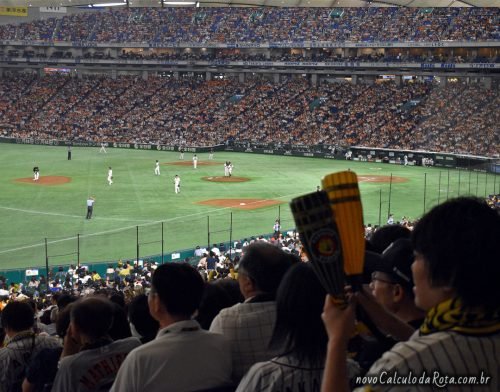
(235, 24)
(458, 118)
(249, 318)
(254, 317)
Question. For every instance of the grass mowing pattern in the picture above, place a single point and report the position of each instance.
(29, 213)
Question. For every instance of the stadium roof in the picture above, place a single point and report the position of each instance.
(272, 3)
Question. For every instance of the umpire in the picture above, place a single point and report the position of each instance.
(90, 206)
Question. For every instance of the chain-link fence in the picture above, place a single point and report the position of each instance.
(165, 239)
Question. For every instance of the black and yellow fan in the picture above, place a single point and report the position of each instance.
(345, 202)
(320, 238)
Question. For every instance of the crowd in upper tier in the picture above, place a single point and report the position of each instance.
(235, 24)
(459, 118)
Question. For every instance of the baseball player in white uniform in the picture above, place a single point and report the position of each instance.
(157, 168)
(195, 161)
(110, 176)
(103, 148)
(211, 154)
(181, 152)
(230, 169)
(177, 184)
(36, 173)
(226, 169)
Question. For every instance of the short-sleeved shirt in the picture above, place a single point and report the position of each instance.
(17, 354)
(93, 370)
(183, 357)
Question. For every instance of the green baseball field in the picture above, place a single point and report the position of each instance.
(140, 209)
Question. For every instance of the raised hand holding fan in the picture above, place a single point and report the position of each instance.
(319, 235)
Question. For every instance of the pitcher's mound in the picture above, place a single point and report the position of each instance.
(226, 179)
(45, 180)
(242, 204)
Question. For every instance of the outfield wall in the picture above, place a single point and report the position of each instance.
(379, 155)
(368, 154)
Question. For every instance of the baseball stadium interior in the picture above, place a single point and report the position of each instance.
(243, 166)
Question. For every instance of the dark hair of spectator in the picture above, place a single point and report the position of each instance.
(119, 299)
(93, 316)
(299, 329)
(386, 235)
(120, 328)
(32, 304)
(266, 265)
(218, 294)
(64, 300)
(180, 288)
(141, 319)
(459, 243)
(18, 316)
(63, 320)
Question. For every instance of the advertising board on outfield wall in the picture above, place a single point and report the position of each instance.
(367, 154)
(265, 45)
(246, 64)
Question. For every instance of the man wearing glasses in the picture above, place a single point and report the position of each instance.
(392, 283)
(389, 302)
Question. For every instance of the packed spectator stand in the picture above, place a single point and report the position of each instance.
(413, 116)
(458, 118)
(234, 24)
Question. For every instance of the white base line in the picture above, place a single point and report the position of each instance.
(69, 216)
(148, 223)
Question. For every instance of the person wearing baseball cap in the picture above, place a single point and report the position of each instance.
(392, 282)
(388, 302)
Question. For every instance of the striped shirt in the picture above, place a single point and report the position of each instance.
(282, 374)
(16, 355)
(286, 373)
(424, 362)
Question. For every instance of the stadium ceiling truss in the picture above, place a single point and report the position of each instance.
(254, 3)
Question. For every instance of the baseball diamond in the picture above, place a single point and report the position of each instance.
(138, 198)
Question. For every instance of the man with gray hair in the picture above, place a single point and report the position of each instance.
(249, 325)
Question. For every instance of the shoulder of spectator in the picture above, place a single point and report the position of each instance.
(225, 319)
(252, 379)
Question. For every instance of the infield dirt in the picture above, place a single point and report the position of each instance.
(45, 180)
(242, 204)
